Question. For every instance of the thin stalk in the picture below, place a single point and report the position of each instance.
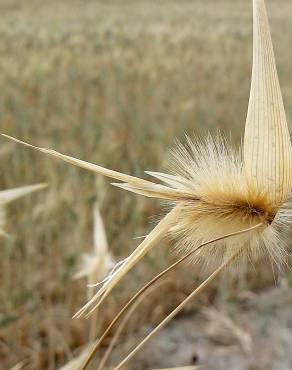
(205, 283)
(93, 329)
(125, 321)
(146, 286)
(148, 243)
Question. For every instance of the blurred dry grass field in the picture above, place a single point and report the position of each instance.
(113, 83)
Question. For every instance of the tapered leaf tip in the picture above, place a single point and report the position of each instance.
(267, 147)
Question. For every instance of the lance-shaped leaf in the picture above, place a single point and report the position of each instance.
(131, 183)
(267, 147)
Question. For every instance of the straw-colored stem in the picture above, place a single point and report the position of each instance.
(148, 243)
(212, 277)
(124, 323)
(93, 329)
(118, 316)
(151, 282)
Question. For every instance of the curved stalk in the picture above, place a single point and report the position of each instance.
(151, 282)
(125, 321)
(205, 283)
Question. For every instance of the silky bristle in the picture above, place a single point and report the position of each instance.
(223, 202)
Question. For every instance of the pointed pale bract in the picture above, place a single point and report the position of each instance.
(171, 180)
(267, 147)
(99, 234)
(97, 264)
(132, 183)
(7, 196)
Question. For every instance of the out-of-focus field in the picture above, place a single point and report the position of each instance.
(115, 83)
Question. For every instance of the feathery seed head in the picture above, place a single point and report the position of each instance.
(223, 201)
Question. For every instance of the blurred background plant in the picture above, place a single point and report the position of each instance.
(10, 195)
(114, 83)
(95, 267)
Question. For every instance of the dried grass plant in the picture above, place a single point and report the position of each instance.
(93, 266)
(96, 266)
(214, 190)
